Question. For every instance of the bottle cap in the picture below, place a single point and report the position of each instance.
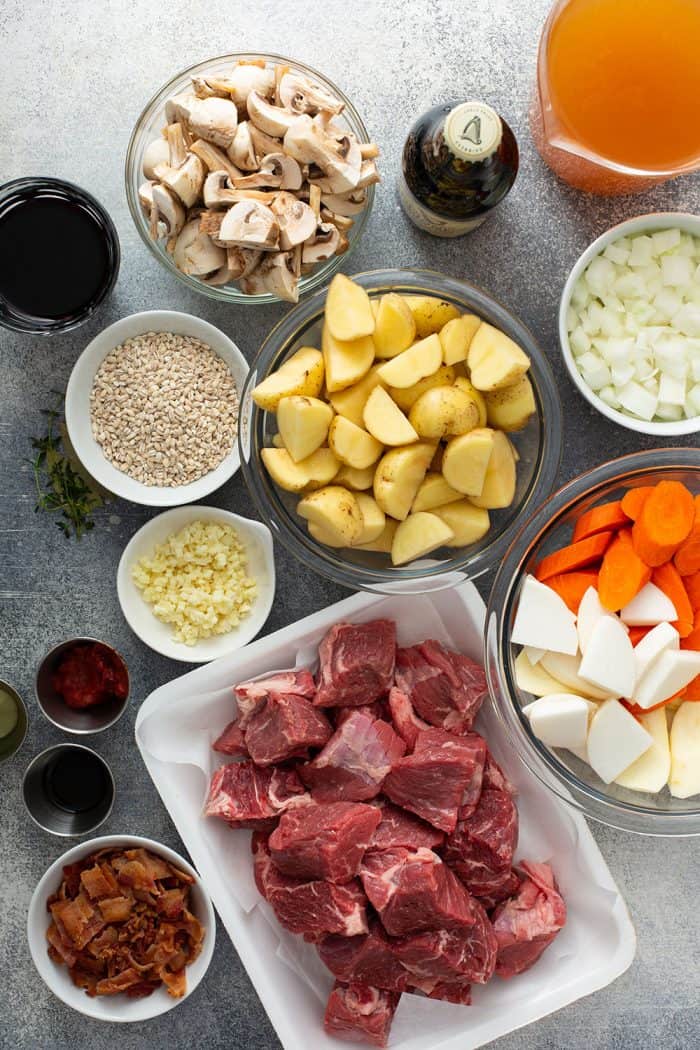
(473, 131)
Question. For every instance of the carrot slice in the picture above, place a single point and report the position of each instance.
(692, 691)
(600, 519)
(622, 574)
(664, 522)
(687, 557)
(637, 633)
(667, 578)
(635, 709)
(634, 500)
(575, 556)
(692, 587)
(692, 640)
(571, 586)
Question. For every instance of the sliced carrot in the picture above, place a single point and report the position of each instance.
(635, 709)
(600, 519)
(664, 522)
(667, 579)
(687, 557)
(692, 587)
(634, 500)
(637, 633)
(692, 691)
(571, 586)
(575, 556)
(622, 574)
(692, 640)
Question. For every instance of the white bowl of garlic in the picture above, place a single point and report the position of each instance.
(629, 324)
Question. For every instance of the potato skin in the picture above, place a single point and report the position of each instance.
(398, 477)
(395, 327)
(335, 510)
(317, 469)
(430, 313)
(302, 373)
(418, 535)
(443, 411)
(511, 407)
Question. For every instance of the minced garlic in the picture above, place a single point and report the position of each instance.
(197, 581)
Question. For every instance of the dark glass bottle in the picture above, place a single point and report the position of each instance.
(460, 160)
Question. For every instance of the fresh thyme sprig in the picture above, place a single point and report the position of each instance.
(61, 485)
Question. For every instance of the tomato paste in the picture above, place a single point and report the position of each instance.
(88, 674)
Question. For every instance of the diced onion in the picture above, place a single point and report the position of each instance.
(634, 325)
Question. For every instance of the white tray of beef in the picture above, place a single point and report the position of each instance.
(384, 832)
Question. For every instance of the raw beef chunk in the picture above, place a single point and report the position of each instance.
(324, 841)
(355, 761)
(413, 890)
(498, 888)
(359, 1013)
(453, 956)
(400, 828)
(494, 777)
(527, 923)
(310, 908)
(284, 726)
(432, 782)
(369, 959)
(356, 663)
(250, 695)
(445, 688)
(249, 797)
(459, 992)
(474, 752)
(481, 847)
(406, 722)
(232, 740)
(379, 709)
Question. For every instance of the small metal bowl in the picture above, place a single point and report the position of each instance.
(45, 807)
(10, 744)
(80, 721)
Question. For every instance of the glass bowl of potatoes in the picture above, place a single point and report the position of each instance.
(395, 429)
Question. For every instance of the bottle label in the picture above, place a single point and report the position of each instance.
(473, 131)
(427, 220)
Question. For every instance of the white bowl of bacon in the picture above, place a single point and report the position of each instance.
(102, 889)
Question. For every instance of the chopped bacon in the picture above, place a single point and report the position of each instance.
(99, 882)
(116, 909)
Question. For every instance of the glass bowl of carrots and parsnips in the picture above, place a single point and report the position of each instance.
(593, 643)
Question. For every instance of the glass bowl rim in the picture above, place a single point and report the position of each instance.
(225, 293)
(414, 280)
(539, 759)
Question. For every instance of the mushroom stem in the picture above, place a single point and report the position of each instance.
(214, 159)
(369, 150)
(176, 145)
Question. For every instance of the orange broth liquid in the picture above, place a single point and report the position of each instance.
(624, 80)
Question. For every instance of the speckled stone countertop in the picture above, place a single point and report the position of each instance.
(74, 76)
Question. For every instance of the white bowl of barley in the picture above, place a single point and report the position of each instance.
(78, 413)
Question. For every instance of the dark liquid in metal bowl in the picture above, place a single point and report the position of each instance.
(76, 781)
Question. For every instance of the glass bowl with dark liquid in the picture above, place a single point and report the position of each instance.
(59, 255)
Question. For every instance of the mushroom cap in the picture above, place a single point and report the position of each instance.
(323, 245)
(246, 78)
(243, 261)
(170, 210)
(176, 108)
(297, 221)
(286, 167)
(351, 202)
(195, 253)
(277, 272)
(217, 189)
(338, 158)
(214, 119)
(250, 224)
(301, 95)
(273, 120)
(155, 153)
(242, 151)
(186, 181)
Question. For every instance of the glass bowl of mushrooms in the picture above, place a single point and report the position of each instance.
(250, 177)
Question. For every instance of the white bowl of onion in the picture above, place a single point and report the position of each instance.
(629, 324)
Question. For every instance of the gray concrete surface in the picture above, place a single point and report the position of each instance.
(73, 78)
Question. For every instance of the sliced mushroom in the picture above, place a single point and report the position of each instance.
(250, 224)
(204, 89)
(243, 261)
(276, 169)
(213, 119)
(369, 150)
(169, 210)
(177, 145)
(273, 120)
(195, 253)
(280, 276)
(244, 78)
(210, 222)
(351, 203)
(213, 158)
(302, 95)
(263, 144)
(369, 174)
(339, 159)
(176, 107)
(297, 221)
(156, 229)
(155, 153)
(242, 151)
(186, 181)
(218, 191)
(323, 245)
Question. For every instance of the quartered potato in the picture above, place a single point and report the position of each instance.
(348, 311)
(302, 373)
(456, 337)
(325, 536)
(352, 444)
(317, 469)
(462, 383)
(418, 535)
(398, 477)
(499, 483)
(405, 398)
(355, 479)
(303, 424)
(395, 328)
(443, 411)
(684, 780)
(335, 511)
(511, 407)
(383, 543)
(385, 421)
(351, 401)
(420, 360)
(651, 770)
(345, 362)
(468, 523)
(494, 360)
(430, 313)
(373, 519)
(434, 492)
(466, 461)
